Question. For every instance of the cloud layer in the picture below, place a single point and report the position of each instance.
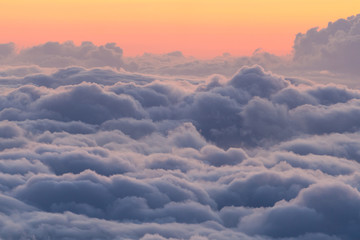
(105, 154)
(55, 54)
(334, 48)
(323, 55)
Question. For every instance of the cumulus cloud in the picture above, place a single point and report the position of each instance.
(325, 55)
(99, 153)
(334, 48)
(89, 150)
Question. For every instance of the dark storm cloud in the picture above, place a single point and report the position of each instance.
(106, 154)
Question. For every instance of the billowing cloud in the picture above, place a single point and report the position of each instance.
(334, 48)
(325, 55)
(97, 146)
(107, 154)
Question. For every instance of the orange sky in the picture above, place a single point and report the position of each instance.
(195, 27)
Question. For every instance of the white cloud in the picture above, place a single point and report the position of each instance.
(88, 152)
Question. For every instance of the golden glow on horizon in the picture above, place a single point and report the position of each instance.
(200, 28)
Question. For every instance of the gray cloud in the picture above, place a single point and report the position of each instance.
(315, 209)
(99, 153)
(54, 54)
(334, 48)
(177, 64)
(323, 55)
(6, 49)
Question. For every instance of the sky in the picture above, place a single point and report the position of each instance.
(203, 29)
(98, 144)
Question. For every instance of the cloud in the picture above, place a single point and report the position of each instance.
(89, 104)
(175, 63)
(315, 210)
(89, 55)
(323, 55)
(91, 151)
(100, 153)
(55, 54)
(334, 48)
(6, 49)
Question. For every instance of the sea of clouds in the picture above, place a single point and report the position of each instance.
(97, 146)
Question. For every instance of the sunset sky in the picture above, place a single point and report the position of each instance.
(198, 28)
(101, 141)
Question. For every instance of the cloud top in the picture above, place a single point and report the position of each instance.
(99, 153)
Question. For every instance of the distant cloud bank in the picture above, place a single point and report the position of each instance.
(54, 54)
(333, 49)
(92, 151)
